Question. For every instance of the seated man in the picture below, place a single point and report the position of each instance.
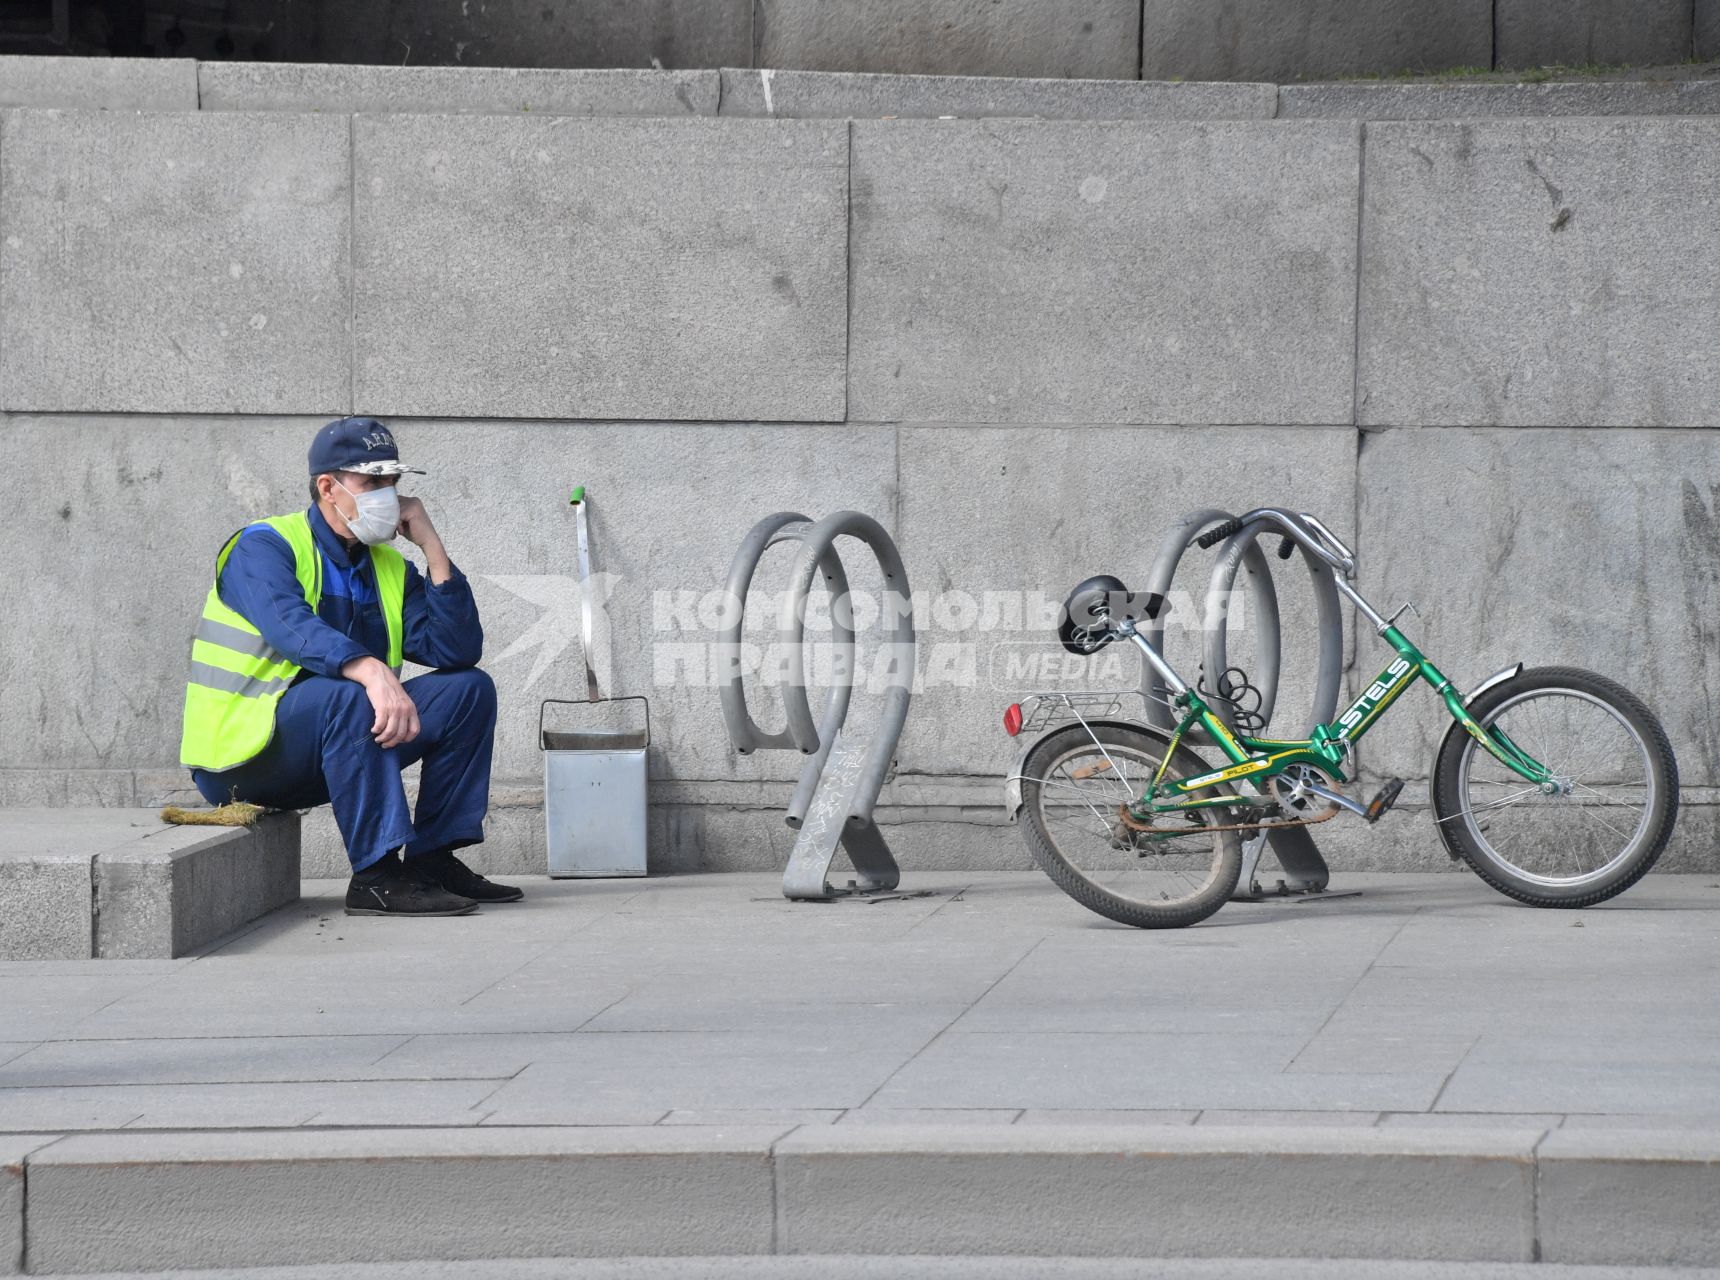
(295, 697)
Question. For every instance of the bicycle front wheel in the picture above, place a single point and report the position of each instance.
(1073, 785)
(1593, 831)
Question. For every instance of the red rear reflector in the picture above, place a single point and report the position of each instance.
(1012, 719)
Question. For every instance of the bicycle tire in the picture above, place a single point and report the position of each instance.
(1067, 876)
(1461, 833)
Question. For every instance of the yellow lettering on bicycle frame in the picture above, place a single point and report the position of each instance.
(1225, 775)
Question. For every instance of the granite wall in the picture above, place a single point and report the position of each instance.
(1484, 348)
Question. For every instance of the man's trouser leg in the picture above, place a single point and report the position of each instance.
(323, 753)
(456, 737)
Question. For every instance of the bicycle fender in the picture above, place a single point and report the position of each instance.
(1012, 799)
(1497, 678)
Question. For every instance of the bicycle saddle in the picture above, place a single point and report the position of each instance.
(1093, 609)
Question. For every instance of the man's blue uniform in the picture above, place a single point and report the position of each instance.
(322, 751)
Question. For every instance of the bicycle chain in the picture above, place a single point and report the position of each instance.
(1147, 828)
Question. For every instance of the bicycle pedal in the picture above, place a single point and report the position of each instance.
(1378, 806)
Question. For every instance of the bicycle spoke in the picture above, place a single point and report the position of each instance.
(1574, 832)
(1088, 803)
(1611, 804)
(1588, 811)
(1081, 814)
(1504, 801)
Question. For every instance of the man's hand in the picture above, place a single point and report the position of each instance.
(415, 524)
(416, 528)
(396, 716)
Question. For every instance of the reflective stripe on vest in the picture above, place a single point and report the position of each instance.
(232, 682)
(238, 639)
(236, 678)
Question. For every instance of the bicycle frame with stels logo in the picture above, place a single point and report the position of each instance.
(1328, 748)
(1258, 760)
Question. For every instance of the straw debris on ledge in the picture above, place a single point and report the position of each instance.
(236, 814)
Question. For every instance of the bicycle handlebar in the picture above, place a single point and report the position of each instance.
(1217, 534)
(1313, 535)
(1299, 528)
(1337, 544)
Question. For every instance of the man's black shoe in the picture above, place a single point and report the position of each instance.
(448, 872)
(386, 888)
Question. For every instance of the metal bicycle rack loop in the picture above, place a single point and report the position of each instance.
(839, 784)
(1305, 871)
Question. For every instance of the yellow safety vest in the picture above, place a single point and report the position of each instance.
(236, 678)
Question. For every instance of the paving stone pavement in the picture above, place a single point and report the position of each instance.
(924, 1268)
(992, 1000)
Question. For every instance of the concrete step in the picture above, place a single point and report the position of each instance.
(77, 884)
(133, 1200)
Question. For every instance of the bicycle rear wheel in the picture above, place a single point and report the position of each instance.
(1591, 833)
(1073, 785)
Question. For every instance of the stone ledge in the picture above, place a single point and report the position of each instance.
(1654, 1185)
(858, 95)
(250, 1198)
(1475, 101)
(276, 86)
(1448, 1194)
(103, 84)
(144, 84)
(120, 884)
(13, 1150)
(1218, 1192)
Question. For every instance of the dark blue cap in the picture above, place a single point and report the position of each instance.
(363, 445)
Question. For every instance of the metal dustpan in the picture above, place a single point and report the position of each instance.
(595, 781)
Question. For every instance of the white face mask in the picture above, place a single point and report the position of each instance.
(377, 518)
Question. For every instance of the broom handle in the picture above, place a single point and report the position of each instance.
(579, 501)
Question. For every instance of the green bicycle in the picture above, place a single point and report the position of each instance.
(1557, 786)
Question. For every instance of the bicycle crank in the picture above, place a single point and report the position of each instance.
(1298, 790)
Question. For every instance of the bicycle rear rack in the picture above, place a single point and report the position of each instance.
(839, 784)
